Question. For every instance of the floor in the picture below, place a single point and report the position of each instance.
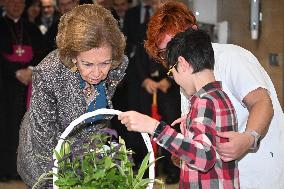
(12, 185)
(21, 185)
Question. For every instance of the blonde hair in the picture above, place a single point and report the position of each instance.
(86, 27)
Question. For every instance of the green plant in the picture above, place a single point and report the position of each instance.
(95, 165)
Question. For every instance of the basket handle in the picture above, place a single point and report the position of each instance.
(85, 116)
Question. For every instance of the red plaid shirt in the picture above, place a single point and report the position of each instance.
(211, 110)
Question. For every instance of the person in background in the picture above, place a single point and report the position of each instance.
(3, 176)
(134, 28)
(20, 49)
(142, 79)
(2, 8)
(105, 3)
(154, 82)
(65, 6)
(260, 116)
(32, 10)
(81, 2)
(48, 17)
(2, 107)
(119, 9)
(47, 22)
(119, 99)
(191, 59)
(135, 25)
(80, 76)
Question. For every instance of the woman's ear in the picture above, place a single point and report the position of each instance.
(74, 61)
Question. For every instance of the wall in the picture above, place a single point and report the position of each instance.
(207, 10)
(271, 36)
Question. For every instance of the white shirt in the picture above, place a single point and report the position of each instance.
(241, 73)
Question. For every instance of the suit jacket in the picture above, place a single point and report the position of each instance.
(148, 68)
(13, 92)
(50, 36)
(133, 29)
(56, 101)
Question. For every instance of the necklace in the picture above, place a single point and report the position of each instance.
(88, 90)
(17, 36)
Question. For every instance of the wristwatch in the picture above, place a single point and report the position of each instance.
(257, 138)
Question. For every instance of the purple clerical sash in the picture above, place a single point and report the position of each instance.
(21, 53)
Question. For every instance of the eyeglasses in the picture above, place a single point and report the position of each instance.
(162, 54)
(170, 71)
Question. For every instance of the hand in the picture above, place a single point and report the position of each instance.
(238, 145)
(135, 121)
(175, 160)
(24, 75)
(164, 85)
(150, 85)
(179, 120)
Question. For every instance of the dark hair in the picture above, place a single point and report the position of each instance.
(82, 2)
(196, 48)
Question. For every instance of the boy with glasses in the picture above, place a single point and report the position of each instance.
(191, 59)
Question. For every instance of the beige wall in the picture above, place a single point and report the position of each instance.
(271, 37)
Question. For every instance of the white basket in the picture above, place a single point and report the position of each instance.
(102, 111)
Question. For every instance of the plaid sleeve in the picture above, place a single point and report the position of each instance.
(197, 147)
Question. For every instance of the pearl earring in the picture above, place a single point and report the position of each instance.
(74, 60)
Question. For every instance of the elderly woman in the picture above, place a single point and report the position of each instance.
(80, 76)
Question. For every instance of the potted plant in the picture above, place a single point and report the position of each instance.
(98, 163)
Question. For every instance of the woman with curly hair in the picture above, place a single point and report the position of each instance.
(78, 77)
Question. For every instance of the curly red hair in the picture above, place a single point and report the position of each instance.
(173, 17)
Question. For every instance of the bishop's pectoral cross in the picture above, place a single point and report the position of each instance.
(20, 51)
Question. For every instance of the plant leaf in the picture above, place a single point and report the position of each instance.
(142, 169)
